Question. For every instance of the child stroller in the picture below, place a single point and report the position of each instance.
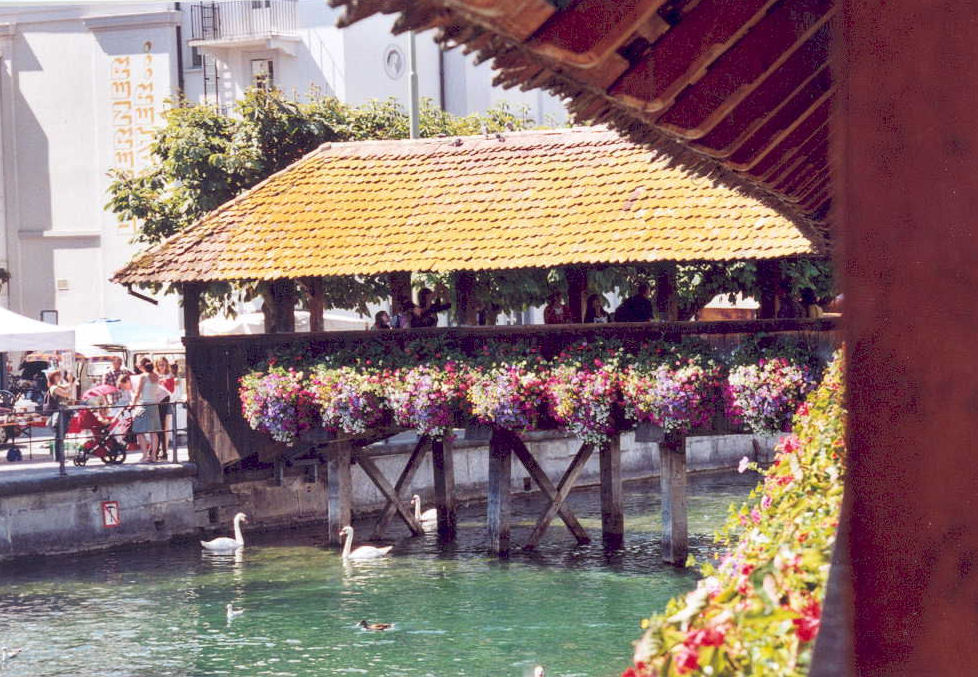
(109, 441)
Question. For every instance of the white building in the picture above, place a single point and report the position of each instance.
(83, 86)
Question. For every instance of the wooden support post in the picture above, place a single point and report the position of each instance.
(563, 491)
(576, 291)
(279, 298)
(666, 302)
(404, 481)
(314, 288)
(191, 309)
(465, 309)
(672, 466)
(339, 490)
(498, 508)
(612, 501)
(403, 510)
(769, 281)
(399, 283)
(443, 466)
(548, 489)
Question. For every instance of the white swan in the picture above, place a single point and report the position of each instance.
(364, 551)
(538, 671)
(232, 612)
(428, 518)
(225, 544)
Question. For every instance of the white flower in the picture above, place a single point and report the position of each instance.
(743, 465)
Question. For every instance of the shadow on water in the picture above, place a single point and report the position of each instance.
(161, 610)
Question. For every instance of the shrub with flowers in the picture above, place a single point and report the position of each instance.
(759, 610)
(678, 397)
(277, 402)
(428, 398)
(763, 396)
(583, 399)
(509, 396)
(350, 401)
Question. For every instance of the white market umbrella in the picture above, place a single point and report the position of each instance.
(254, 323)
(21, 334)
(133, 335)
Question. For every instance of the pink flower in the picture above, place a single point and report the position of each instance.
(742, 466)
(755, 515)
(806, 627)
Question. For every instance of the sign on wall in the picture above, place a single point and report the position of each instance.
(110, 514)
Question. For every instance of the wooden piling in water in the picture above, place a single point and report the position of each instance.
(675, 533)
(339, 490)
(443, 467)
(612, 501)
(498, 506)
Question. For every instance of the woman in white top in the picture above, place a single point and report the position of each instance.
(146, 414)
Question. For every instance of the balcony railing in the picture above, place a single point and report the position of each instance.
(242, 19)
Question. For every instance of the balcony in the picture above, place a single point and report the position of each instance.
(262, 24)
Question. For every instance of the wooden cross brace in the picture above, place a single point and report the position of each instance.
(556, 495)
(395, 503)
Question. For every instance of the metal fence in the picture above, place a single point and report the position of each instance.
(104, 434)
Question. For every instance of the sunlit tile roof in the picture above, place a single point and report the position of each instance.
(524, 199)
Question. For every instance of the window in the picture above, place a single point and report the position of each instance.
(263, 73)
(196, 58)
(261, 4)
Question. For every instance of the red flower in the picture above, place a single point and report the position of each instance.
(705, 637)
(790, 444)
(687, 660)
(806, 627)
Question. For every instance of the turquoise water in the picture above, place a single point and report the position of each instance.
(456, 611)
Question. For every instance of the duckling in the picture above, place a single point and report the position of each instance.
(375, 627)
(7, 654)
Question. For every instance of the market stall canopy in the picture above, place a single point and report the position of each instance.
(19, 334)
(739, 89)
(132, 335)
(517, 200)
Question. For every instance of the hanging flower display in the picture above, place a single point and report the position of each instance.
(277, 402)
(429, 398)
(764, 396)
(678, 397)
(583, 400)
(509, 396)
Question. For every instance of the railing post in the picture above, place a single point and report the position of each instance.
(59, 441)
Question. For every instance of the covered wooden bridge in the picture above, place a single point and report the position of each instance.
(567, 198)
(860, 119)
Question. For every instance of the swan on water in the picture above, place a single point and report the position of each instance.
(225, 544)
(428, 518)
(375, 627)
(232, 612)
(364, 551)
(538, 671)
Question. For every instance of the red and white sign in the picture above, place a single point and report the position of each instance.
(110, 514)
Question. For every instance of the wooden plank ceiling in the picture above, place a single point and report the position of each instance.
(740, 90)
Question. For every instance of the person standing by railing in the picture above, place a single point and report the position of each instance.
(146, 415)
(169, 384)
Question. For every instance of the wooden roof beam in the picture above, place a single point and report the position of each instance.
(790, 137)
(518, 19)
(589, 31)
(768, 98)
(795, 110)
(792, 183)
(684, 52)
(745, 66)
(776, 170)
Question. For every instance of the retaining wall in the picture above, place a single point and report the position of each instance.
(43, 514)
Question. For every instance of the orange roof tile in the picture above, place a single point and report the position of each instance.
(526, 199)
